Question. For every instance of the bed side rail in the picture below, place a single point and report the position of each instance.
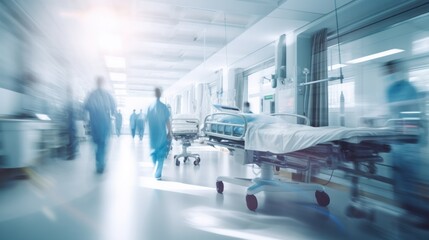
(306, 119)
(215, 128)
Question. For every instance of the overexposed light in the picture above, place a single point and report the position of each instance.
(175, 187)
(336, 66)
(119, 86)
(115, 62)
(104, 21)
(120, 92)
(118, 77)
(110, 43)
(421, 46)
(376, 55)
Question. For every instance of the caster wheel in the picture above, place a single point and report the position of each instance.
(322, 198)
(185, 159)
(177, 162)
(252, 202)
(197, 161)
(277, 168)
(219, 186)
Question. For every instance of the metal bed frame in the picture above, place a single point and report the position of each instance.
(361, 153)
(186, 139)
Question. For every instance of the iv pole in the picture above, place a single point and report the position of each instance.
(341, 77)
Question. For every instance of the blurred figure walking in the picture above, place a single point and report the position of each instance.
(101, 106)
(118, 123)
(133, 119)
(158, 118)
(140, 124)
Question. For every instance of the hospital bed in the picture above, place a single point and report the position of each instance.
(185, 129)
(269, 141)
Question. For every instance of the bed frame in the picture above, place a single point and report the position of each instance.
(186, 130)
(357, 156)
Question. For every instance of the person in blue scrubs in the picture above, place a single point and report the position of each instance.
(158, 119)
(101, 106)
(118, 123)
(140, 124)
(403, 99)
(133, 124)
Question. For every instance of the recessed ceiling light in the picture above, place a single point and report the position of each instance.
(120, 92)
(115, 62)
(119, 86)
(336, 66)
(376, 55)
(118, 77)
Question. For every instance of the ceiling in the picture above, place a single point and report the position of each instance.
(140, 44)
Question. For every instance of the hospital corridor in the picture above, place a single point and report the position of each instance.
(227, 119)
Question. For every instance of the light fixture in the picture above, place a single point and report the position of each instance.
(110, 43)
(120, 92)
(119, 86)
(336, 66)
(376, 55)
(118, 77)
(115, 62)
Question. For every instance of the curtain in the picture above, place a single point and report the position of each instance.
(317, 94)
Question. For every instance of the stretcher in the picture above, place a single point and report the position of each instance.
(269, 141)
(185, 129)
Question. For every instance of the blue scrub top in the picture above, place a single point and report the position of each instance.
(157, 117)
(100, 105)
(402, 91)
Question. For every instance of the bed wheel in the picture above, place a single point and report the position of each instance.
(277, 168)
(252, 202)
(322, 198)
(197, 161)
(219, 187)
(177, 162)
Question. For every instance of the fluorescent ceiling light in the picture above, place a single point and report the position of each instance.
(376, 55)
(118, 77)
(119, 86)
(336, 66)
(110, 43)
(120, 92)
(115, 62)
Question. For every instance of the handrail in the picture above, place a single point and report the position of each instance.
(307, 120)
(210, 121)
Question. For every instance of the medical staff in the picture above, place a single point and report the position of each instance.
(133, 119)
(118, 123)
(140, 124)
(101, 106)
(246, 107)
(403, 100)
(158, 119)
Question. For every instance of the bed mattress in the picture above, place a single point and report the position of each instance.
(286, 137)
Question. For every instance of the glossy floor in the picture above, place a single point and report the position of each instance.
(67, 200)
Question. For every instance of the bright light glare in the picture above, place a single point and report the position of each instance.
(121, 92)
(103, 20)
(376, 55)
(119, 86)
(118, 77)
(175, 187)
(110, 43)
(336, 66)
(115, 62)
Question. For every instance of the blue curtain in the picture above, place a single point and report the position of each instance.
(316, 100)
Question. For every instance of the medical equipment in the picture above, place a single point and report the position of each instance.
(271, 141)
(185, 129)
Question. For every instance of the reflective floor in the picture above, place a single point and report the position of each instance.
(67, 200)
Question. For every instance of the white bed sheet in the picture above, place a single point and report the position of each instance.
(285, 137)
